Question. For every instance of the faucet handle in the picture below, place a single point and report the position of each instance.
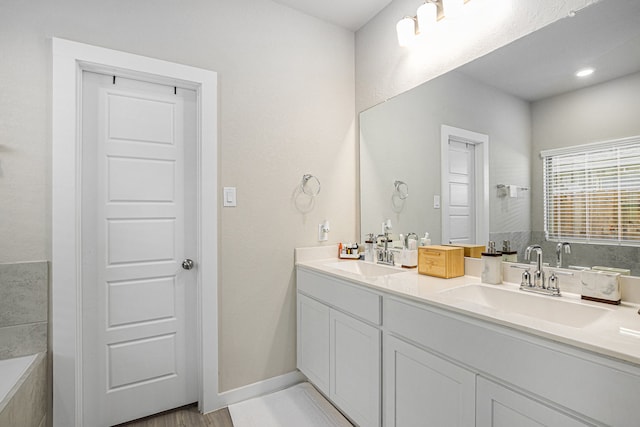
(525, 282)
(554, 284)
(526, 278)
(554, 281)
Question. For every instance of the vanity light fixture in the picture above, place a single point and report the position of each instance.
(426, 17)
(585, 72)
(406, 29)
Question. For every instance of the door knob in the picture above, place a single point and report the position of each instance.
(187, 264)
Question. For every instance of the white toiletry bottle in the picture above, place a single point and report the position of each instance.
(492, 265)
(425, 241)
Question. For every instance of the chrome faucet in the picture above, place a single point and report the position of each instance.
(535, 282)
(405, 242)
(560, 248)
(385, 256)
(538, 275)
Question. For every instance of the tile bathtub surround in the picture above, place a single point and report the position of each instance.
(22, 340)
(27, 403)
(24, 295)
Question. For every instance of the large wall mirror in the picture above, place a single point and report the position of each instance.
(525, 98)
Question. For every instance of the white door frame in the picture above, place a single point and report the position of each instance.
(481, 143)
(69, 60)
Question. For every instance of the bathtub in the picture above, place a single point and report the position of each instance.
(23, 391)
(11, 370)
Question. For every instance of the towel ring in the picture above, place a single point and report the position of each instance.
(402, 189)
(310, 185)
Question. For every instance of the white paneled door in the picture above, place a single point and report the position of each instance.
(138, 216)
(461, 192)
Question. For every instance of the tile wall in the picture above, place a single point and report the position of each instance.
(24, 295)
(24, 307)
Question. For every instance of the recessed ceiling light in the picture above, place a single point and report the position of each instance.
(585, 72)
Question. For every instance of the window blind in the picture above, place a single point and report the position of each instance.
(592, 193)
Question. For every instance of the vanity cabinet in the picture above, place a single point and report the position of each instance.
(339, 350)
(424, 389)
(444, 367)
(498, 406)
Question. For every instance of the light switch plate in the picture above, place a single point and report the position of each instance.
(229, 196)
(436, 201)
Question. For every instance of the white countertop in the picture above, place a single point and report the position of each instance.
(615, 334)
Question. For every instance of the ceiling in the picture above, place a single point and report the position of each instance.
(349, 14)
(604, 36)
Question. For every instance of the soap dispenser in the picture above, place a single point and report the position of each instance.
(492, 265)
(409, 256)
(425, 241)
(508, 254)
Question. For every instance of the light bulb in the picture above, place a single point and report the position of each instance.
(452, 8)
(585, 72)
(427, 16)
(406, 29)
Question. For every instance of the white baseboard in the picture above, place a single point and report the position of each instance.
(260, 388)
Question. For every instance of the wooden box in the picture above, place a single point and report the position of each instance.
(441, 261)
(471, 251)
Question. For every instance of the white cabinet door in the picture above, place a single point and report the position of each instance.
(422, 389)
(355, 369)
(499, 406)
(313, 341)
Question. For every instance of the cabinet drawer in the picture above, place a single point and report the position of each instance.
(339, 294)
(414, 323)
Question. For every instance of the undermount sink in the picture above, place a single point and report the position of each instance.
(539, 307)
(365, 269)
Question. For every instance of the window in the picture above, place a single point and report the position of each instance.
(592, 192)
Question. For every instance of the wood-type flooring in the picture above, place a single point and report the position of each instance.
(187, 416)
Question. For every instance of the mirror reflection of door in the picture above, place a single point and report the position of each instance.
(464, 156)
(461, 184)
